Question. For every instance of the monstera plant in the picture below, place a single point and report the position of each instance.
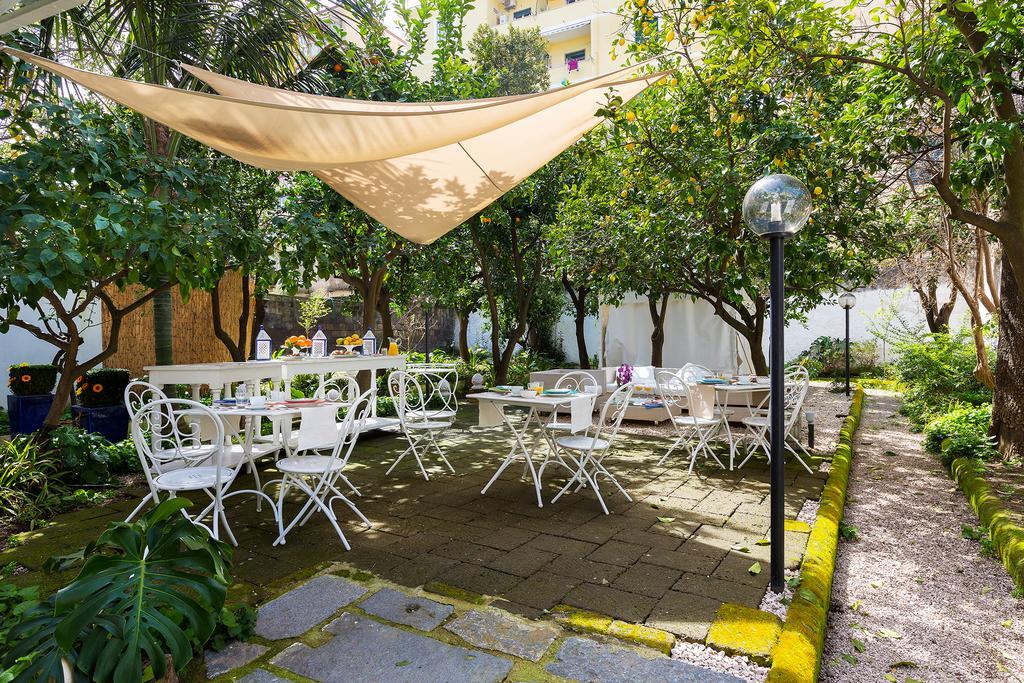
(143, 590)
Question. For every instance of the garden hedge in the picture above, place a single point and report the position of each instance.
(1007, 535)
(31, 380)
(102, 387)
(797, 655)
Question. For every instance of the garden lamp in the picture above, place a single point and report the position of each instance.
(776, 207)
(847, 300)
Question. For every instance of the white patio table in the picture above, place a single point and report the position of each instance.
(492, 413)
(723, 392)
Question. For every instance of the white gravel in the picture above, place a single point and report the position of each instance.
(809, 512)
(713, 660)
(912, 598)
(778, 603)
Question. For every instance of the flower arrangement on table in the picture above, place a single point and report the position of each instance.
(624, 374)
(31, 380)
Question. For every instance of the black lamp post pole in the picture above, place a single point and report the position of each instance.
(847, 309)
(776, 418)
(426, 333)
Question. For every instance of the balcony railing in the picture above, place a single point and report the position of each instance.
(542, 7)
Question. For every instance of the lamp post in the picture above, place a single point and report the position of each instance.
(847, 301)
(776, 207)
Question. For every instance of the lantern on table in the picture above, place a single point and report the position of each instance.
(369, 343)
(319, 348)
(264, 347)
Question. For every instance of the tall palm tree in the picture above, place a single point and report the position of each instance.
(266, 41)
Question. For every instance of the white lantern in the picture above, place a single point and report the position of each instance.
(369, 343)
(319, 348)
(264, 347)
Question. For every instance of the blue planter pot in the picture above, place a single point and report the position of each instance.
(110, 422)
(27, 413)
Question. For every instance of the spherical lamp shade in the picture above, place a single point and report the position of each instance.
(847, 300)
(777, 205)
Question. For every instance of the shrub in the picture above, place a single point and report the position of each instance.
(961, 433)
(102, 387)
(826, 357)
(31, 380)
(233, 623)
(939, 375)
(30, 480)
(122, 458)
(83, 456)
(14, 602)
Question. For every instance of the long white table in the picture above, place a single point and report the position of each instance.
(221, 376)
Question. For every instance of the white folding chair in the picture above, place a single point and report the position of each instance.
(167, 431)
(421, 430)
(317, 475)
(695, 423)
(439, 382)
(587, 452)
(579, 381)
(758, 426)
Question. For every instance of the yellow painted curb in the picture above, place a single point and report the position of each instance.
(746, 631)
(592, 622)
(797, 655)
(1007, 535)
(797, 526)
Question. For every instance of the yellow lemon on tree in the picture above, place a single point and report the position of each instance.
(630, 146)
(817, 191)
(674, 128)
(670, 36)
(689, 199)
(630, 116)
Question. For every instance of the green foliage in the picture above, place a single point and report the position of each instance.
(14, 603)
(31, 380)
(5, 422)
(314, 308)
(122, 457)
(233, 623)
(848, 532)
(514, 59)
(982, 535)
(961, 433)
(826, 357)
(939, 374)
(29, 479)
(142, 589)
(83, 456)
(102, 387)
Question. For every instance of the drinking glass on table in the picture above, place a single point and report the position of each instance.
(538, 387)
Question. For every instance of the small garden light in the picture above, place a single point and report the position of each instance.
(776, 207)
(847, 300)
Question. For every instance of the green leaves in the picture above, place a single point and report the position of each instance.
(143, 589)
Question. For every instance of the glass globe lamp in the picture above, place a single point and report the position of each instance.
(777, 205)
(847, 300)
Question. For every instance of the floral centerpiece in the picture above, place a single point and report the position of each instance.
(624, 374)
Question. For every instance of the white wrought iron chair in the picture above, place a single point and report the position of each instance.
(340, 388)
(169, 431)
(411, 399)
(696, 425)
(578, 380)
(587, 452)
(758, 426)
(317, 475)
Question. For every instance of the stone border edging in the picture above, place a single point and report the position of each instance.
(1007, 535)
(797, 655)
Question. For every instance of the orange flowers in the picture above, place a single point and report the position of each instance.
(26, 378)
(97, 388)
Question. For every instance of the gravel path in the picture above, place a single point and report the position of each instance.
(913, 599)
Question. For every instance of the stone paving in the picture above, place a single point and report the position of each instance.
(371, 639)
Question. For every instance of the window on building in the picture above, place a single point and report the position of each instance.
(574, 58)
(522, 13)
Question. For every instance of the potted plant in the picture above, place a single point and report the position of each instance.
(30, 397)
(101, 408)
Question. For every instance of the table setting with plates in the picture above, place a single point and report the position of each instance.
(540, 403)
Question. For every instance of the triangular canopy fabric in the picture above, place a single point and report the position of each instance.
(421, 169)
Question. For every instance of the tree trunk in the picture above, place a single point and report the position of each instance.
(233, 348)
(464, 336)
(387, 327)
(658, 310)
(1008, 398)
(258, 316)
(163, 333)
(581, 332)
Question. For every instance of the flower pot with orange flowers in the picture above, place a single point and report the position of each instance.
(30, 397)
(100, 407)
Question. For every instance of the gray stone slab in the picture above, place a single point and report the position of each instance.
(233, 656)
(410, 610)
(302, 608)
(583, 659)
(503, 632)
(366, 650)
(262, 676)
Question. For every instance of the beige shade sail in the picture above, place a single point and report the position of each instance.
(288, 136)
(442, 161)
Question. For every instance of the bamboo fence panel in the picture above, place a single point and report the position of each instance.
(194, 340)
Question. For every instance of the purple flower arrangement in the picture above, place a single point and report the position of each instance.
(624, 374)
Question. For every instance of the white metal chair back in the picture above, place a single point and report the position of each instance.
(439, 382)
(612, 413)
(407, 395)
(341, 388)
(672, 390)
(692, 373)
(353, 425)
(176, 435)
(577, 380)
(139, 393)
